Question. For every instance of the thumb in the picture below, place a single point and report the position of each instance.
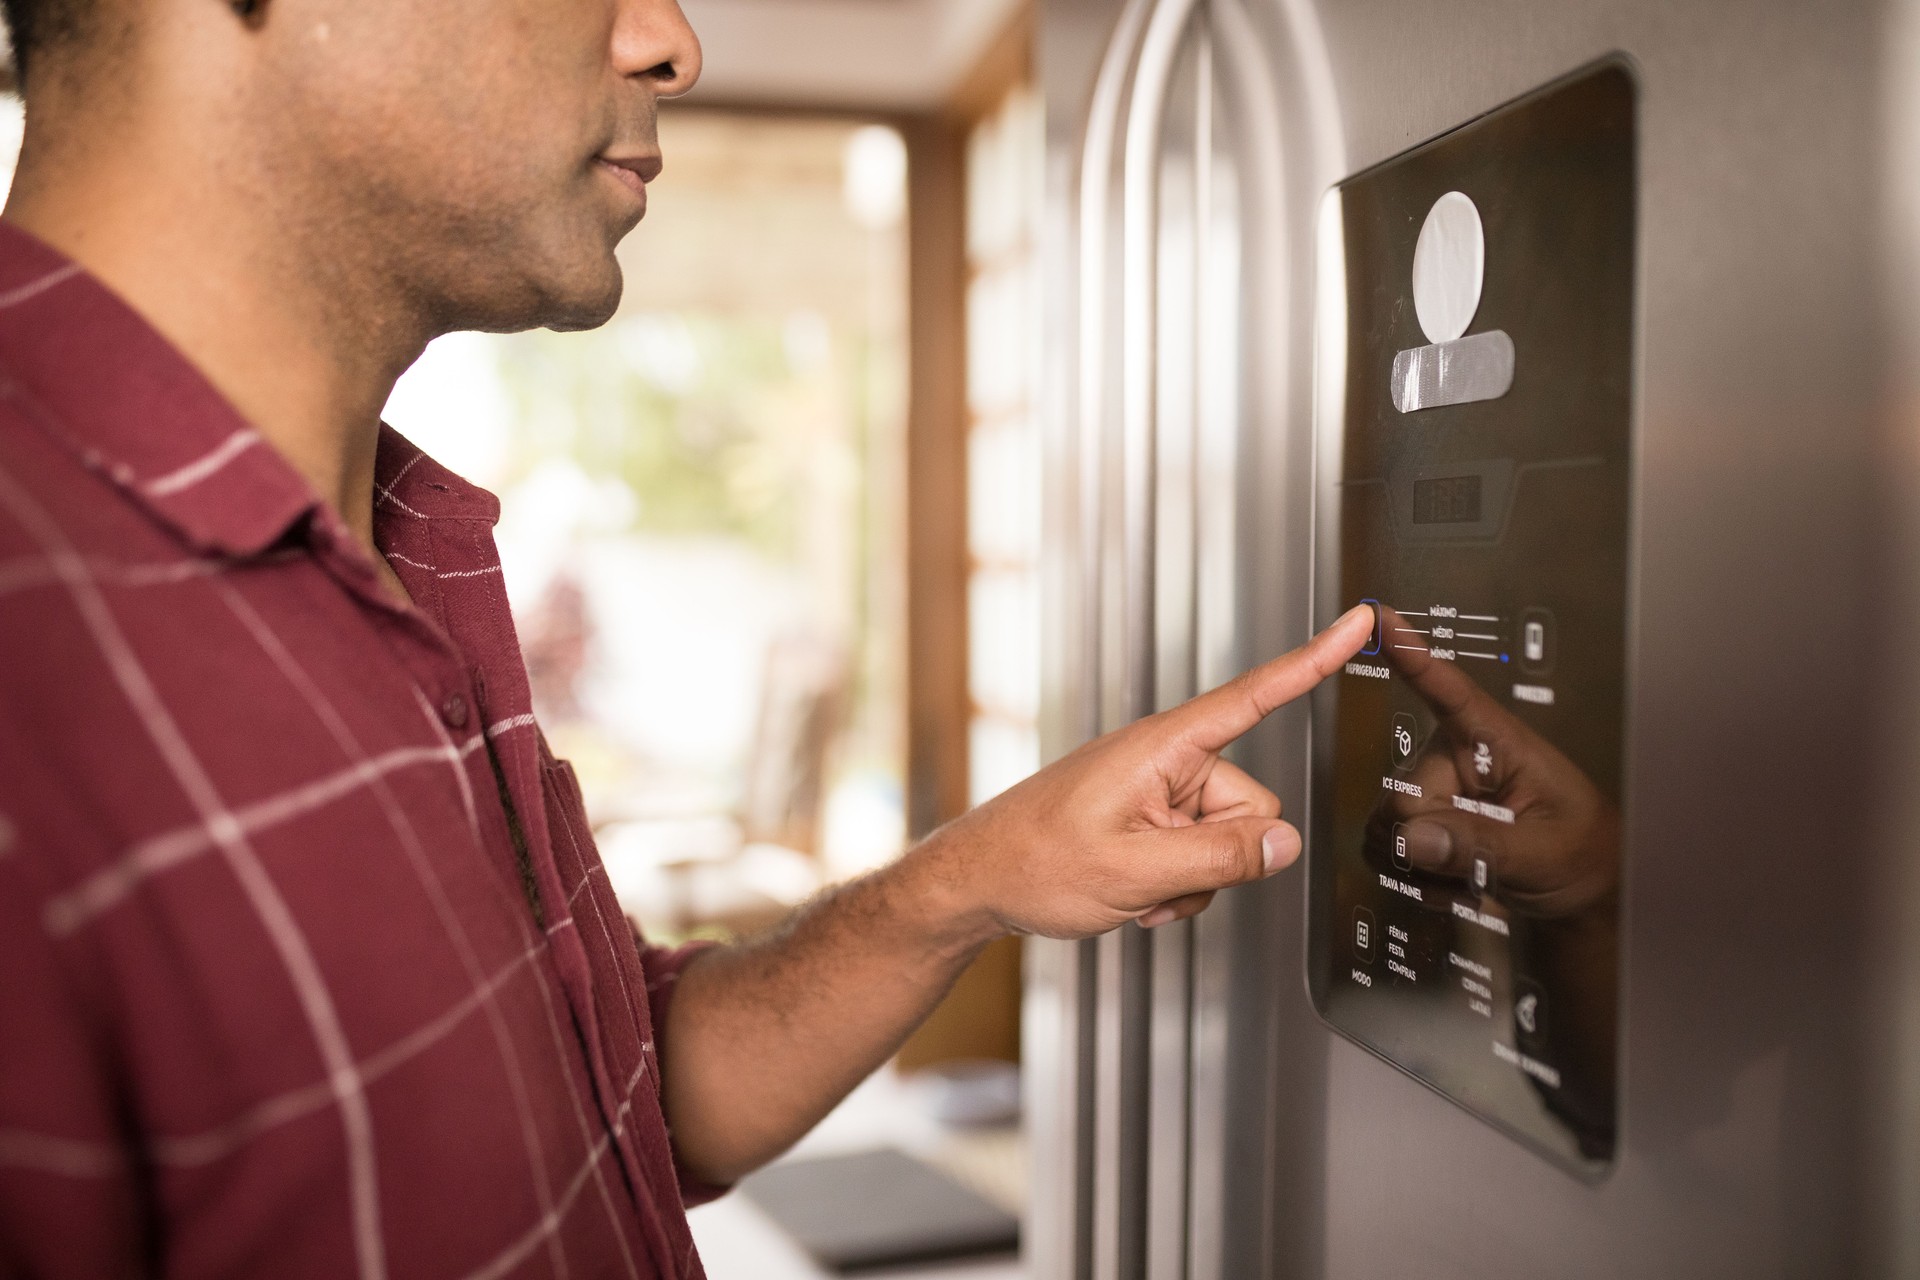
(1214, 855)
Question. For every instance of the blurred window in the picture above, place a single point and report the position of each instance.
(1004, 157)
(701, 502)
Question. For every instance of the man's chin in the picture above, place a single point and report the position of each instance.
(563, 307)
(584, 317)
(588, 303)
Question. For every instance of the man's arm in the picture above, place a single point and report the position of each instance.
(1143, 824)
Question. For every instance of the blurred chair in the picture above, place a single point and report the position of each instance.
(700, 867)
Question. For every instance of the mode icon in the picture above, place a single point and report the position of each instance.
(1363, 934)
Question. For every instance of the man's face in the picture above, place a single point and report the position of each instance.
(481, 157)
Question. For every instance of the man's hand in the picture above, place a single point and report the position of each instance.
(1558, 857)
(1143, 824)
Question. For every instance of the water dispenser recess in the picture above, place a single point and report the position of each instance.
(1474, 404)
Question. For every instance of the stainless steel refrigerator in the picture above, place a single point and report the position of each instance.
(1579, 339)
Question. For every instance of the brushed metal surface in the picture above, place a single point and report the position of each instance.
(1770, 1024)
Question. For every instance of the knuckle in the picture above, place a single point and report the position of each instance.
(1226, 861)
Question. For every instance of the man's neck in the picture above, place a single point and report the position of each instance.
(304, 351)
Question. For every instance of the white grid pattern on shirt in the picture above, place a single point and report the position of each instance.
(89, 1159)
(494, 731)
(45, 1153)
(403, 829)
(386, 490)
(599, 919)
(515, 1253)
(63, 566)
(13, 297)
(430, 882)
(508, 725)
(70, 911)
(275, 916)
(384, 494)
(205, 465)
(111, 884)
(438, 572)
(579, 1107)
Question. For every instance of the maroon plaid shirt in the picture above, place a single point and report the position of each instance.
(308, 966)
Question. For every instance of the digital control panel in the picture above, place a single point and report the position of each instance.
(1473, 408)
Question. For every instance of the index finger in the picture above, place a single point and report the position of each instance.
(1217, 717)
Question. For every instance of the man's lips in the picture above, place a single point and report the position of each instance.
(632, 172)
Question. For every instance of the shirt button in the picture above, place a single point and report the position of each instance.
(454, 711)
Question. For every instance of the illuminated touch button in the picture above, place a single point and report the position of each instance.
(1403, 741)
(1363, 934)
(1536, 640)
(1373, 641)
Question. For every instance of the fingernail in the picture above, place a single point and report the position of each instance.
(1351, 614)
(1156, 917)
(1281, 845)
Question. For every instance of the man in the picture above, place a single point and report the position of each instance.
(307, 963)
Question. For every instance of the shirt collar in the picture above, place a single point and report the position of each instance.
(408, 485)
(104, 382)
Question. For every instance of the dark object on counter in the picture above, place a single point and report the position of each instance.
(877, 1209)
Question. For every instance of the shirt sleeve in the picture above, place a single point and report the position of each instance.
(69, 1195)
(663, 967)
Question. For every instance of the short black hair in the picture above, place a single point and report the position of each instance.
(34, 25)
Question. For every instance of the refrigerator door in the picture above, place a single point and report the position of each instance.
(1192, 1114)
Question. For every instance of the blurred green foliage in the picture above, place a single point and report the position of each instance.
(714, 422)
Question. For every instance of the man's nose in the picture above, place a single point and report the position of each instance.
(653, 39)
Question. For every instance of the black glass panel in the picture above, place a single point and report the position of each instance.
(1464, 852)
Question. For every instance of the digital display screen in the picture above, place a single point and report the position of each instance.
(1464, 844)
(1451, 500)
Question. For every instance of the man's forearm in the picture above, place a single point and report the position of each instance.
(1143, 824)
(765, 1037)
